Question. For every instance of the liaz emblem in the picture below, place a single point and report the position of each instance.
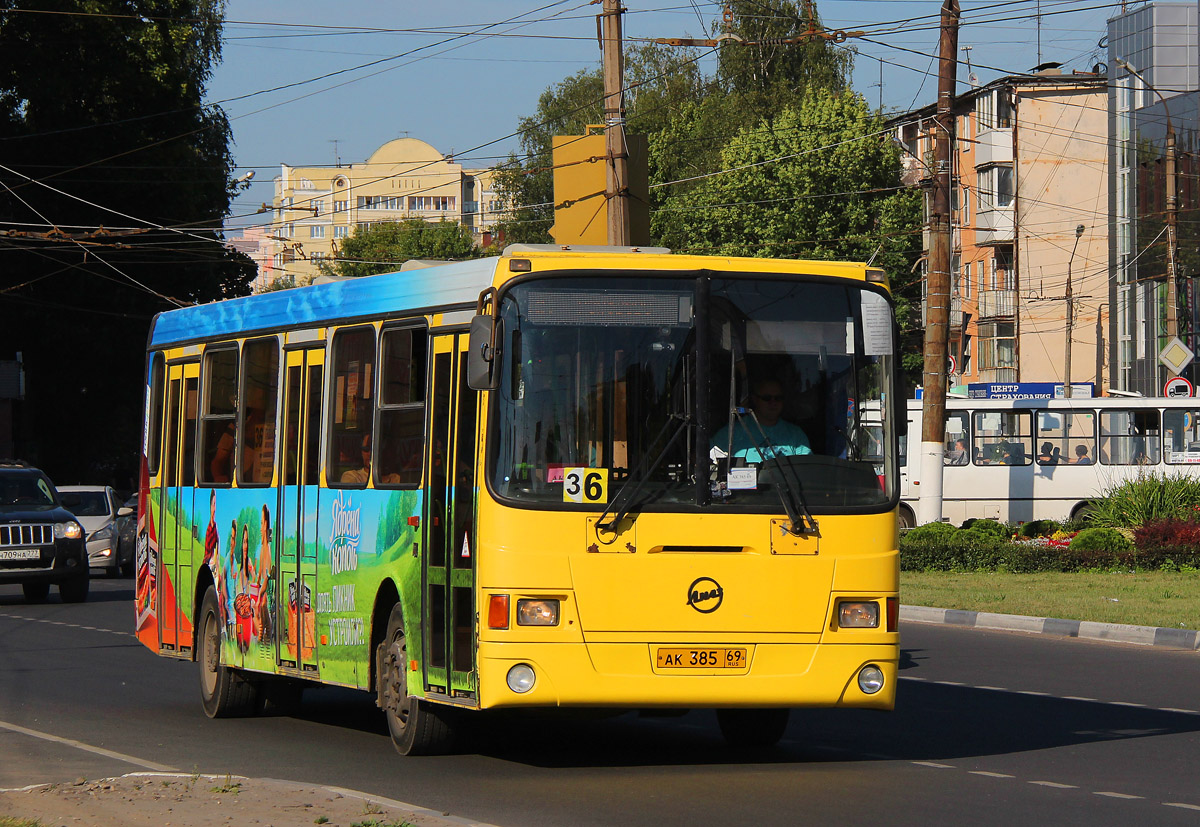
(705, 595)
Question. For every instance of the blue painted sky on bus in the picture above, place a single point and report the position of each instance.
(448, 284)
(464, 94)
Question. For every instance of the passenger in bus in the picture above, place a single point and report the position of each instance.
(1046, 455)
(360, 475)
(957, 456)
(1081, 455)
(221, 466)
(783, 437)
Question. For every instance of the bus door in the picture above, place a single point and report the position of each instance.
(449, 561)
(296, 544)
(174, 496)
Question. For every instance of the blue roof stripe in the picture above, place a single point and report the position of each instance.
(445, 284)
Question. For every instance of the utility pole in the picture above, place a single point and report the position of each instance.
(937, 292)
(1070, 316)
(617, 155)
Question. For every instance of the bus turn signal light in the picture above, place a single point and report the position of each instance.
(893, 614)
(858, 615)
(498, 611)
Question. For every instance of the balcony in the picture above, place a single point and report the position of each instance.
(997, 304)
(994, 146)
(994, 226)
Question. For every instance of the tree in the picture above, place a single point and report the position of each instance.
(820, 181)
(383, 247)
(102, 124)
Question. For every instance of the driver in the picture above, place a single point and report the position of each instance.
(766, 400)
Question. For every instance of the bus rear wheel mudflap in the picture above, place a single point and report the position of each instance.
(223, 692)
(417, 727)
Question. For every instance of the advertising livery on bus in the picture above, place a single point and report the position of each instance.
(556, 478)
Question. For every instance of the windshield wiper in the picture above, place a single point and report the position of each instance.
(623, 501)
(794, 503)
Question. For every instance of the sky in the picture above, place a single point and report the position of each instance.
(309, 83)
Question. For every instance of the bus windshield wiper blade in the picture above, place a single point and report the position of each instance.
(794, 503)
(622, 502)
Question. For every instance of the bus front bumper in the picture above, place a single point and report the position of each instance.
(628, 675)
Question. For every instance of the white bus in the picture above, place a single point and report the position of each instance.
(1036, 459)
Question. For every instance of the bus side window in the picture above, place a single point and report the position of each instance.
(401, 443)
(260, 390)
(352, 420)
(218, 430)
(1129, 437)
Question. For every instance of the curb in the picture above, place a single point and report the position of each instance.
(1111, 632)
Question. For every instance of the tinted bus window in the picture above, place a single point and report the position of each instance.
(1066, 437)
(154, 417)
(353, 416)
(1002, 438)
(402, 407)
(218, 431)
(1129, 437)
(260, 389)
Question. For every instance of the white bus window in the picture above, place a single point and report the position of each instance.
(1002, 438)
(1181, 430)
(957, 439)
(1129, 437)
(1066, 437)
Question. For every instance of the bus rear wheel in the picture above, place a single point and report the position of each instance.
(416, 726)
(752, 728)
(223, 692)
(906, 518)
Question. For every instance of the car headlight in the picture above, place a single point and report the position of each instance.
(71, 531)
(106, 533)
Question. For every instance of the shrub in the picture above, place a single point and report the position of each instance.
(1149, 497)
(1038, 528)
(1171, 532)
(929, 531)
(1100, 539)
(988, 528)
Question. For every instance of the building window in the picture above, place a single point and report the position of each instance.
(289, 230)
(442, 203)
(318, 207)
(341, 231)
(316, 255)
(995, 187)
(340, 205)
(316, 231)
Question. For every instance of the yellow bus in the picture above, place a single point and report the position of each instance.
(590, 477)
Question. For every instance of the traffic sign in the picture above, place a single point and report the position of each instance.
(1176, 355)
(953, 367)
(1177, 387)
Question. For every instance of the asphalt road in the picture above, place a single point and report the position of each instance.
(990, 727)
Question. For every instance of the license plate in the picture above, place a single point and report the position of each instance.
(19, 554)
(692, 658)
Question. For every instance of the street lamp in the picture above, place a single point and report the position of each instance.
(1172, 210)
(1070, 316)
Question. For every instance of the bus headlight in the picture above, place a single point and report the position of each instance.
(521, 678)
(537, 612)
(870, 679)
(853, 614)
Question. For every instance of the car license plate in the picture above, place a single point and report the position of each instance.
(20, 554)
(722, 657)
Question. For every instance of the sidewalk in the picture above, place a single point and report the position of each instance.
(1112, 632)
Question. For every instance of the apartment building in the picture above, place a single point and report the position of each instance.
(316, 207)
(1029, 214)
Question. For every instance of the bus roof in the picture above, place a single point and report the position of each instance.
(454, 284)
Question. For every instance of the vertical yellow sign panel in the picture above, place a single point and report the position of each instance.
(580, 180)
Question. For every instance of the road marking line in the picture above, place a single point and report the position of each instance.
(991, 774)
(1125, 703)
(949, 683)
(1031, 692)
(1054, 784)
(912, 678)
(993, 688)
(1079, 698)
(1180, 711)
(70, 742)
(1178, 804)
(1117, 795)
(65, 625)
(933, 764)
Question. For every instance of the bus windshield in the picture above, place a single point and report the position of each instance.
(785, 385)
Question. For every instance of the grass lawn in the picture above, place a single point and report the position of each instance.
(1155, 598)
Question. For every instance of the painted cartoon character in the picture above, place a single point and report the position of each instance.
(266, 579)
(246, 593)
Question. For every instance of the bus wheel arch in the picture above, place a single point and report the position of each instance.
(385, 599)
(905, 517)
(224, 692)
(204, 582)
(416, 726)
(1081, 510)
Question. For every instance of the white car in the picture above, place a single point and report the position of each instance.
(97, 508)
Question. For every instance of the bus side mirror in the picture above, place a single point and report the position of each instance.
(483, 362)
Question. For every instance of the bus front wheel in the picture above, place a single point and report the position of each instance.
(416, 726)
(223, 692)
(906, 517)
(752, 728)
